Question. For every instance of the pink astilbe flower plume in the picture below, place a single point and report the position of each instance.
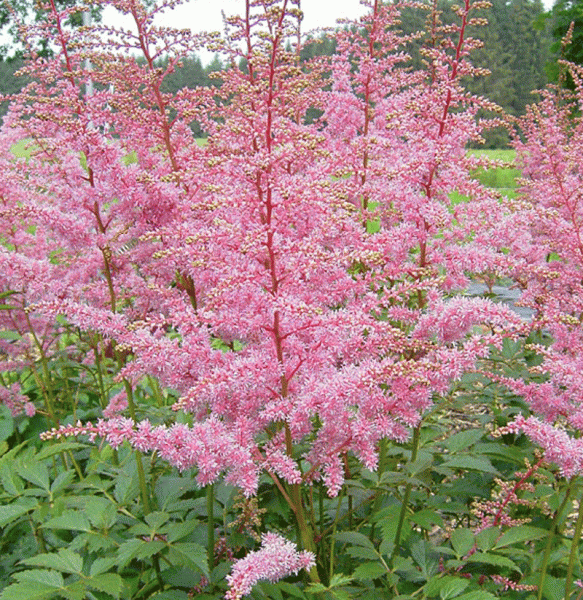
(277, 558)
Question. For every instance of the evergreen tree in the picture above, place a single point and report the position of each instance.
(563, 13)
(530, 52)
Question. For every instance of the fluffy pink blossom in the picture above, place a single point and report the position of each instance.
(277, 558)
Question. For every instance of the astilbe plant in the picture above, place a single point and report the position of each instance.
(291, 282)
(548, 267)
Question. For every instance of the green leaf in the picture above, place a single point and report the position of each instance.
(10, 480)
(138, 549)
(360, 552)
(471, 463)
(462, 541)
(427, 518)
(40, 577)
(126, 485)
(11, 512)
(10, 335)
(177, 531)
(35, 472)
(101, 512)
(477, 595)
(554, 588)
(463, 440)
(292, 590)
(34, 585)
(453, 588)
(6, 423)
(62, 481)
(156, 520)
(101, 565)
(339, 579)
(190, 555)
(438, 582)
(64, 560)
(71, 520)
(369, 570)
(486, 539)
(520, 534)
(355, 538)
(57, 448)
(493, 559)
(424, 556)
(110, 583)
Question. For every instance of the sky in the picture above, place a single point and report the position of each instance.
(205, 15)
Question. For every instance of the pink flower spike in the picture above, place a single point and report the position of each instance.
(276, 559)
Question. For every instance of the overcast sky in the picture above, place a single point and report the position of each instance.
(205, 15)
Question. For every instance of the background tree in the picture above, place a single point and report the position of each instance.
(563, 13)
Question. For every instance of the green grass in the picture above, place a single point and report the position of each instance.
(502, 179)
(20, 149)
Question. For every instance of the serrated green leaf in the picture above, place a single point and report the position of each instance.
(148, 549)
(340, 594)
(520, 534)
(292, 590)
(360, 552)
(6, 423)
(156, 520)
(453, 588)
(486, 539)
(427, 518)
(40, 577)
(62, 481)
(463, 440)
(437, 583)
(13, 484)
(176, 595)
(177, 531)
(11, 512)
(354, 538)
(35, 472)
(57, 448)
(313, 588)
(33, 585)
(477, 595)
(126, 486)
(127, 551)
(101, 512)
(339, 579)
(494, 560)
(70, 520)
(471, 463)
(190, 555)
(110, 583)
(138, 549)
(369, 570)
(101, 565)
(424, 556)
(462, 541)
(28, 590)
(64, 560)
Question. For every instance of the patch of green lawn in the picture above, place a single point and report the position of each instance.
(500, 178)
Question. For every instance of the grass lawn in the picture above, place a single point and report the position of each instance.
(502, 179)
